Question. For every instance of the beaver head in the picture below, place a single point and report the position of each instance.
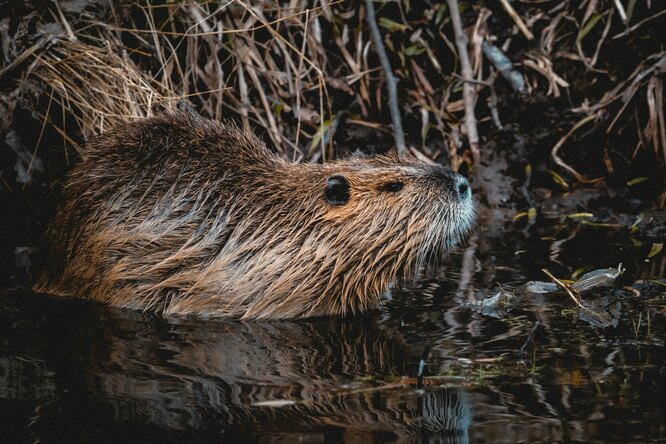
(184, 215)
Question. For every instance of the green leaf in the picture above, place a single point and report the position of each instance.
(559, 180)
(414, 50)
(588, 26)
(441, 10)
(630, 9)
(520, 215)
(636, 181)
(579, 272)
(579, 215)
(391, 25)
(656, 249)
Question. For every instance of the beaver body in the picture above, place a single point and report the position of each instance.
(183, 215)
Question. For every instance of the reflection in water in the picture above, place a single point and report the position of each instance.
(72, 371)
(194, 375)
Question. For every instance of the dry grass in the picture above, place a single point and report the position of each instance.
(98, 87)
(296, 71)
(262, 62)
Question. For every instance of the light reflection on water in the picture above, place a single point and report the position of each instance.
(71, 371)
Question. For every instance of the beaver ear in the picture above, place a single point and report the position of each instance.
(337, 190)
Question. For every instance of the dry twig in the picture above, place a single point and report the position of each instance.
(558, 160)
(469, 92)
(565, 287)
(391, 82)
(517, 20)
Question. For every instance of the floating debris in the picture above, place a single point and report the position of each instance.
(499, 304)
(604, 277)
(495, 306)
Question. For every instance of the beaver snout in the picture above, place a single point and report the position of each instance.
(454, 183)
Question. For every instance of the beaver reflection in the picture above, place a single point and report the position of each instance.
(193, 377)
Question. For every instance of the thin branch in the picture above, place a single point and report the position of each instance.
(469, 92)
(517, 20)
(391, 82)
(65, 23)
(638, 25)
(558, 160)
(565, 287)
(504, 66)
(621, 11)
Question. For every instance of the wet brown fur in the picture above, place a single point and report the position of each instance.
(183, 215)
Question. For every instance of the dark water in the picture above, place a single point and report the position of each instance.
(540, 372)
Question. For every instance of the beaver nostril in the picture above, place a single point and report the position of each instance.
(463, 188)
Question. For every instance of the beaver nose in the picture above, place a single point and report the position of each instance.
(462, 188)
(454, 183)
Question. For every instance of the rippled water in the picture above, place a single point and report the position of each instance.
(77, 372)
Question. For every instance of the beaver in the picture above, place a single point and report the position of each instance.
(179, 214)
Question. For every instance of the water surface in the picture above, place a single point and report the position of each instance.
(428, 367)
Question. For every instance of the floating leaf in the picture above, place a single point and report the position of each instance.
(596, 318)
(495, 306)
(597, 278)
(637, 242)
(540, 287)
(576, 274)
(634, 227)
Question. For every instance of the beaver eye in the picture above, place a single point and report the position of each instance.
(337, 190)
(393, 187)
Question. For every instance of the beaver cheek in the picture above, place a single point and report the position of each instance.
(342, 214)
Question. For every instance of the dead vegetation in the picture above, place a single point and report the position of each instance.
(99, 88)
(307, 75)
